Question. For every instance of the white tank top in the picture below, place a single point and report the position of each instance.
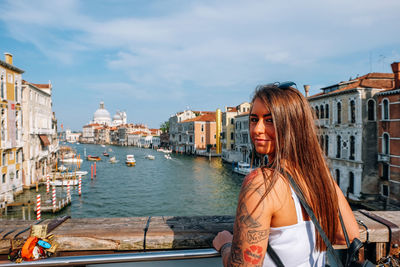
(295, 244)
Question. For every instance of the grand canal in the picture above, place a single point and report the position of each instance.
(181, 186)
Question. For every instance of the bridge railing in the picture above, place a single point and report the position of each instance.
(91, 236)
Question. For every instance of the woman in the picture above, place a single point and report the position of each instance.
(269, 213)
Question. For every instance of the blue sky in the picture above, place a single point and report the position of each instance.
(154, 58)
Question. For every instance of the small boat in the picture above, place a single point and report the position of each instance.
(93, 158)
(64, 182)
(103, 146)
(243, 168)
(130, 160)
(71, 160)
(150, 157)
(105, 154)
(167, 156)
(113, 160)
(166, 151)
(62, 168)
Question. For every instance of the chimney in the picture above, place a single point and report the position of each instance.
(307, 89)
(8, 58)
(396, 71)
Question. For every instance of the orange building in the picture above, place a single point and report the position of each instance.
(197, 134)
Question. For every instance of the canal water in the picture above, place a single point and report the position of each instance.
(181, 186)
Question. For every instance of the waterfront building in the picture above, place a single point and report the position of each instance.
(347, 137)
(198, 134)
(11, 129)
(164, 140)
(72, 137)
(387, 115)
(40, 132)
(229, 153)
(102, 134)
(243, 144)
(88, 133)
(173, 126)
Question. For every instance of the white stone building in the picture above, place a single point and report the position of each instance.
(346, 136)
(40, 132)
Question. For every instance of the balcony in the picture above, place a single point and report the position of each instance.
(41, 131)
(383, 157)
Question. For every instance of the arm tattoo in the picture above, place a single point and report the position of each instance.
(246, 218)
(254, 236)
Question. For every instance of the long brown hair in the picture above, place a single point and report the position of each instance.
(297, 146)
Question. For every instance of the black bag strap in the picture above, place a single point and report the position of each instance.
(274, 257)
(315, 221)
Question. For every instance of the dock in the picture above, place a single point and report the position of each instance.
(89, 236)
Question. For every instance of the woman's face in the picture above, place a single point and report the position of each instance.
(262, 131)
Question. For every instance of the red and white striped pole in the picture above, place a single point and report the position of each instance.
(80, 185)
(95, 169)
(38, 212)
(68, 192)
(91, 172)
(54, 197)
(48, 184)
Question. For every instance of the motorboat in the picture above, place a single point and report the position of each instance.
(71, 160)
(64, 182)
(93, 158)
(130, 160)
(113, 160)
(243, 168)
(62, 168)
(105, 154)
(167, 151)
(150, 157)
(167, 156)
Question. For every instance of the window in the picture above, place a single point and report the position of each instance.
(232, 136)
(3, 178)
(232, 121)
(17, 175)
(326, 145)
(180, 138)
(385, 109)
(191, 139)
(351, 182)
(2, 86)
(202, 139)
(322, 111)
(317, 112)
(352, 111)
(339, 113)
(202, 128)
(385, 144)
(3, 159)
(371, 110)
(338, 146)
(321, 142)
(16, 91)
(338, 177)
(385, 172)
(326, 111)
(352, 147)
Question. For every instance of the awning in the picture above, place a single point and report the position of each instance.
(44, 140)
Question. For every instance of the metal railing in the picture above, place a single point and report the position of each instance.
(121, 258)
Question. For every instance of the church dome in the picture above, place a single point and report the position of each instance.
(117, 117)
(102, 116)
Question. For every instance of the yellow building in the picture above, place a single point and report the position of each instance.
(11, 130)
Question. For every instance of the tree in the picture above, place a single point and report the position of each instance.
(164, 127)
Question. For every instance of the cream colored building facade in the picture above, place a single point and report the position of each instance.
(40, 132)
(229, 153)
(11, 130)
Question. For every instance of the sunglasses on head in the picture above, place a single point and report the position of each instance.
(283, 85)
